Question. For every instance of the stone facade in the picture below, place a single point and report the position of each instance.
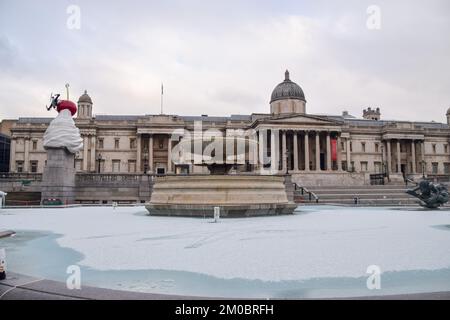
(315, 149)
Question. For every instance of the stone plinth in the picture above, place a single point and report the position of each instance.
(58, 180)
(236, 195)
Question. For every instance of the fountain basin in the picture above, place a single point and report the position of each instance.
(236, 195)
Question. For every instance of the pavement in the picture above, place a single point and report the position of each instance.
(22, 287)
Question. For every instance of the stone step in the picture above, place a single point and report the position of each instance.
(368, 187)
(356, 191)
(372, 201)
(365, 196)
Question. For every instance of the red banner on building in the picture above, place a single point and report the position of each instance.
(333, 150)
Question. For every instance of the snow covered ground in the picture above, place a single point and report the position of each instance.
(316, 242)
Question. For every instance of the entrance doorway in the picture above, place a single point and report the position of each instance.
(322, 161)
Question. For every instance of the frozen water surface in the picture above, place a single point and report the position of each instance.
(320, 251)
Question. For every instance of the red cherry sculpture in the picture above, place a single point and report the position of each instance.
(67, 104)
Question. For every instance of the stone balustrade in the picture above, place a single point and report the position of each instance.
(15, 176)
(102, 179)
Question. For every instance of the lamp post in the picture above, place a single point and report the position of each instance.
(145, 160)
(287, 161)
(99, 159)
(423, 163)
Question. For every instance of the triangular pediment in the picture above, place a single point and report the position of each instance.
(301, 119)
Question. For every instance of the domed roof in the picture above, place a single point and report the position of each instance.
(287, 90)
(85, 98)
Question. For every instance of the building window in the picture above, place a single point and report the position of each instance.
(352, 166)
(447, 168)
(19, 166)
(446, 148)
(116, 166)
(116, 143)
(34, 145)
(364, 166)
(132, 143)
(34, 166)
(131, 166)
(434, 148)
(344, 165)
(351, 147)
(342, 146)
(402, 147)
(100, 143)
(377, 166)
(363, 146)
(377, 147)
(161, 143)
(434, 167)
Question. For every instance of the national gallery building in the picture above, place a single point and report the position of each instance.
(314, 149)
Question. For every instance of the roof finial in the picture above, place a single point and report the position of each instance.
(286, 75)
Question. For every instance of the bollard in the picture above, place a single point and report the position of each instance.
(216, 214)
(2, 199)
(2, 264)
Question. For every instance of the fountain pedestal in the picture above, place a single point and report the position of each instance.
(58, 180)
(236, 195)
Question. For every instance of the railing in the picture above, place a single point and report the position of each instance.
(377, 178)
(120, 179)
(409, 180)
(311, 195)
(20, 176)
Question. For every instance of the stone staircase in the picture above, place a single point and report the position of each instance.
(371, 195)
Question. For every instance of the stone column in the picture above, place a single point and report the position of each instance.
(169, 155)
(383, 157)
(12, 158)
(306, 151)
(349, 160)
(339, 153)
(328, 152)
(26, 159)
(93, 148)
(284, 151)
(399, 168)
(295, 152)
(150, 154)
(389, 156)
(273, 152)
(261, 149)
(413, 156)
(317, 151)
(139, 154)
(85, 152)
(254, 147)
(422, 151)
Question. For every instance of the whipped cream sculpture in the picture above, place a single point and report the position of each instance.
(62, 132)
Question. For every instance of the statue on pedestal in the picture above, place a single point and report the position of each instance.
(62, 140)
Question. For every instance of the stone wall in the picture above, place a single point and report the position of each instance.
(331, 179)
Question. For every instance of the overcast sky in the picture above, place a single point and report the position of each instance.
(225, 57)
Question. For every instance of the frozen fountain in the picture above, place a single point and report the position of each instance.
(245, 194)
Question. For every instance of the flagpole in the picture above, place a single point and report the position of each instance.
(162, 94)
